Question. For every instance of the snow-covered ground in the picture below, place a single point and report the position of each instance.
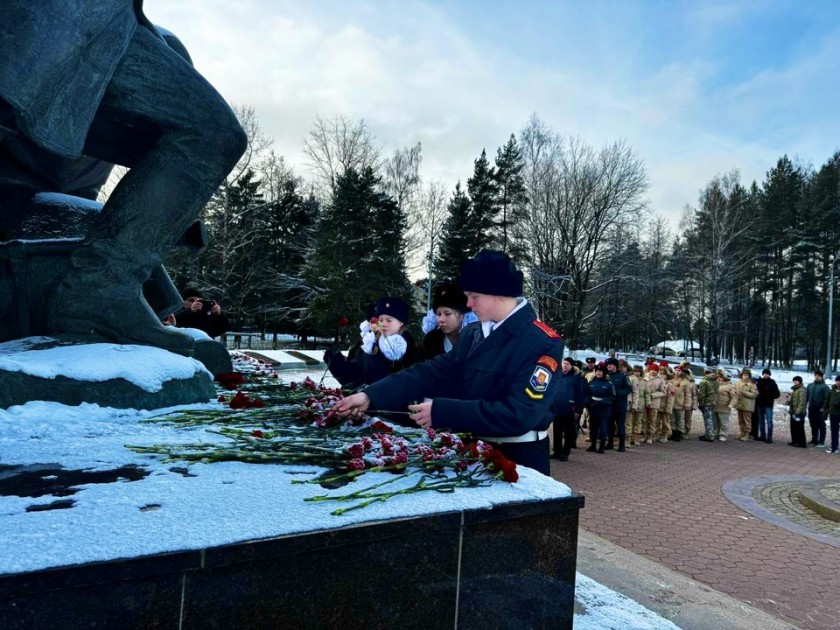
(170, 508)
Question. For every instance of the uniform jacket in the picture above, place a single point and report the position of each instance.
(725, 397)
(746, 393)
(798, 400)
(500, 386)
(64, 54)
(707, 391)
(600, 394)
(364, 369)
(640, 399)
(570, 394)
(623, 389)
(683, 393)
(670, 395)
(817, 394)
(657, 388)
(768, 392)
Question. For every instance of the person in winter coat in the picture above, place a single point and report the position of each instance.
(723, 405)
(817, 394)
(796, 408)
(688, 408)
(768, 392)
(833, 408)
(498, 383)
(706, 399)
(568, 405)
(444, 322)
(667, 408)
(623, 389)
(600, 396)
(683, 406)
(746, 392)
(639, 402)
(656, 389)
(387, 347)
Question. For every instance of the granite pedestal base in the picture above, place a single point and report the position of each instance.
(509, 567)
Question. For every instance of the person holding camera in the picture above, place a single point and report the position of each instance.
(200, 313)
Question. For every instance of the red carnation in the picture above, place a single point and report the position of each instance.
(257, 434)
(356, 464)
(342, 322)
(381, 427)
(221, 399)
(374, 321)
(230, 380)
(356, 450)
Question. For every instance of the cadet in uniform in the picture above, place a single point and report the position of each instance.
(498, 383)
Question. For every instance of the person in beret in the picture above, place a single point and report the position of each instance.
(387, 347)
(498, 382)
(443, 325)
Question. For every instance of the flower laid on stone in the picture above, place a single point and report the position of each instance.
(295, 424)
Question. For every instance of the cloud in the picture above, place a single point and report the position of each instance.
(462, 77)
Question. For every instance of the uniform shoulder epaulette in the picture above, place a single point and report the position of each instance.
(548, 330)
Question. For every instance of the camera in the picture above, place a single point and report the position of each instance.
(207, 305)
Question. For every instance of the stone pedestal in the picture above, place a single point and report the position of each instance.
(509, 567)
(110, 375)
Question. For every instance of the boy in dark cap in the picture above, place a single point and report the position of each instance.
(498, 383)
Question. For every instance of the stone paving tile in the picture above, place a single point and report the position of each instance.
(666, 502)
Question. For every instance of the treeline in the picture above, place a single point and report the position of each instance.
(746, 276)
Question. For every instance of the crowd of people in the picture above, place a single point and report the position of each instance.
(655, 402)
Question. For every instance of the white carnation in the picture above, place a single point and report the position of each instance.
(393, 347)
(368, 339)
(429, 323)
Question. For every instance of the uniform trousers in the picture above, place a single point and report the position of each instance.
(650, 429)
(721, 423)
(664, 424)
(744, 421)
(565, 433)
(634, 421)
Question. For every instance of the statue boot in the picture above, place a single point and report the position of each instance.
(103, 294)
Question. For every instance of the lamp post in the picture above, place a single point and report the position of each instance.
(830, 313)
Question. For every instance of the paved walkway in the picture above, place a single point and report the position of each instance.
(666, 502)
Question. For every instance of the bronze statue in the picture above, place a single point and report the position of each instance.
(84, 82)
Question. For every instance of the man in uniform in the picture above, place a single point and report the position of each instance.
(497, 383)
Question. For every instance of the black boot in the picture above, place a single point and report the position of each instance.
(610, 445)
(621, 445)
(592, 448)
(676, 436)
(601, 447)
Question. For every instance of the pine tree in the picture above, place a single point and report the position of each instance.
(483, 192)
(512, 201)
(455, 243)
(358, 253)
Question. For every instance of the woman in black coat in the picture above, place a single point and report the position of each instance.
(449, 309)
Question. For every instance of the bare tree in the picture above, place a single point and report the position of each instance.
(401, 181)
(333, 146)
(577, 196)
(430, 219)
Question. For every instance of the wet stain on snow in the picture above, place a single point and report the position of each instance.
(38, 480)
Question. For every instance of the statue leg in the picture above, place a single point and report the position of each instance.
(197, 140)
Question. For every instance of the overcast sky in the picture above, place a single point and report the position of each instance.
(695, 88)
